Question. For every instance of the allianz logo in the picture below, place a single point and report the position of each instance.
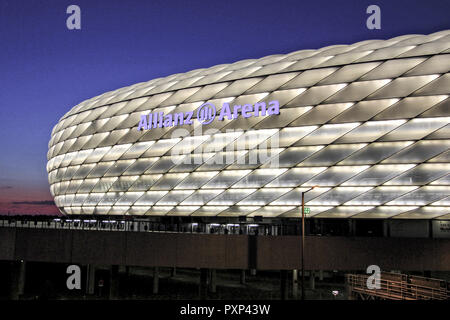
(206, 113)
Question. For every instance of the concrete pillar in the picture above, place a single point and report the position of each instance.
(350, 295)
(243, 276)
(283, 284)
(90, 279)
(114, 283)
(17, 288)
(312, 280)
(212, 280)
(155, 280)
(203, 286)
(321, 275)
(22, 274)
(386, 228)
(295, 283)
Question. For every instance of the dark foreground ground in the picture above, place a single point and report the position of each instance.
(48, 281)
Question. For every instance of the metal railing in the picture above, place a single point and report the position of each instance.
(394, 286)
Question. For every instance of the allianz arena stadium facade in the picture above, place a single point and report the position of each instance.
(366, 125)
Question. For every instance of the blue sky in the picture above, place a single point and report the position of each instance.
(45, 69)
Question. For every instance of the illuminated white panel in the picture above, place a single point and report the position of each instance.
(116, 152)
(420, 151)
(263, 196)
(271, 211)
(97, 154)
(252, 138)
(94, 198)
(316, 95)
(375, 152)
(424, 213)
(320, 114)
(294, 155)
(343, 212)
(235, 211)
(363, 110)
(83, 171)
(165, 163)
(167, 181)
(283, 119)
(118, 168)
(327, 134)
(334, 175)
(288, 136)
(196, 179)
(295, 177)
(87, 185)
(191, 162)
(421, 196)
(102, 210)
(370, 131)
(67, 159)
(201, 197)
(182, 210)
(384, 212)
(231, 197)
(416, 129)
(123, 183)
(140, 166)
(421, 174)
(221, 160)
(187, 144)
(444, 181)
(294, 197)
(144, 182)
(297, 212)
(256, 157)
(73, 186)
(138, 210)
(87, 210)
(81, 157)
(160, 147)
(258, 178)
(110, 198)
(137, 150)
(338, 196)
(150, 198)
(129, 198)
(209, 211)
(331, 154)
(380, 195)
(443, 202)
(226, 178)
(218, 141)
(79, 199)
(159, 210)
(378, 174)
(409, 107)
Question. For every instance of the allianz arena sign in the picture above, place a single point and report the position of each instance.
(206, 113)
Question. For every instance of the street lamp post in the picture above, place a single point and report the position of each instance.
(303, 242)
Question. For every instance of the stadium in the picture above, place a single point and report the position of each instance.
(361, 130)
